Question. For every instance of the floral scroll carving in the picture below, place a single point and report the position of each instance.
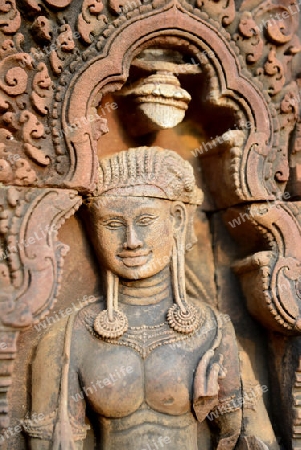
(42, 89)
(91, 21)
(224, 10)
(31, 265)
(10, 19)
(249, 39)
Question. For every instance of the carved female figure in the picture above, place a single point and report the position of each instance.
(145, 364)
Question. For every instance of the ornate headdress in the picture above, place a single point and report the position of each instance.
(150, 172)
(159, 173)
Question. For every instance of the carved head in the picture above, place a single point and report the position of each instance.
(139, 209)
(140, 216)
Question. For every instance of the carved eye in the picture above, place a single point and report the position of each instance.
(114, 224)
(146, 220)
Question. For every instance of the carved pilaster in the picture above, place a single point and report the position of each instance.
(31, 265)
(297, 409)
(8, 349)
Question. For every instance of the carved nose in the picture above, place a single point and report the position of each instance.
(132, 241)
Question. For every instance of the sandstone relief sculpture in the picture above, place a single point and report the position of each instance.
(180, 357)
(92, 94)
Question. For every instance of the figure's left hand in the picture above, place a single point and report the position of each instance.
(207, 376)
(206, 385)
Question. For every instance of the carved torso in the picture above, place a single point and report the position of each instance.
(140, 386)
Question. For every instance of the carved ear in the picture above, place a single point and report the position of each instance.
(179, 215)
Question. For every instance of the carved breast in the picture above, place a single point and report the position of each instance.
(158, 370)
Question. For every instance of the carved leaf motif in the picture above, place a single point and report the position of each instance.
(24, 173)
(15, 78)
(282, 173)
(56, 63)
(42, 89)
(42, 29)
(64, 44)
(280, 20)
(32, 129)
(118, 6)
(289, 108)
(223, 10)
(249, 38)
(34, 5)
(8, 48)
(16, 81)
(6, 173)
(59, 4)
(10, 19)
(276, 32)
(4, 105)
(36, 154)
(90, 21)
(286, 271)
(13, 168)
(31, 297)
(289, 104)
(273, 73)
(65, 39)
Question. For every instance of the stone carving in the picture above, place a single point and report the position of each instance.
(158, 98)
(64, 45)
(31, 260)
(42, 90)
(273, 68)
(91, 21)
(249, 40)
(59, 59)
(145, 310)
(296, 404)
(68, 57)
(276, 269)
(223, 11)
(43, 29)
(10, 17)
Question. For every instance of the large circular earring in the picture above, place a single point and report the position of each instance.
(182, 317)
(111, 323)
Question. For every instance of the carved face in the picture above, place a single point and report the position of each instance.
(133, 236)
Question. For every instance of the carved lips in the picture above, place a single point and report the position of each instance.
(134, 259)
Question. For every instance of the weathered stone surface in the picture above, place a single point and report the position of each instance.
(72, 73)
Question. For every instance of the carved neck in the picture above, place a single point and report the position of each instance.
(145, 302)
(149, 291)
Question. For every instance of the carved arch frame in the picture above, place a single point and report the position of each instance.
(227, 80)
